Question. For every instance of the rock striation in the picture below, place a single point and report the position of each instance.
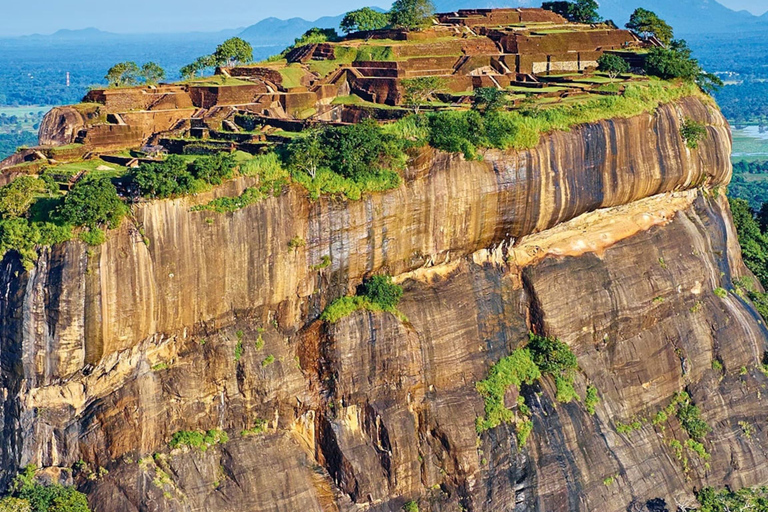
(613, 237)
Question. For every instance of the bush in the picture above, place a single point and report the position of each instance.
(35, 497)
(14, 505)
(92, 204)
(21, 236)
(690, 418)
(692, 133)
(551, 355)
(376, 294)
(346, 160)
(213, 169)
(755, 498)
(164, 179)
(512, 370)
(93, 236)
(198, 439)
(411, 506)
(381, 290)
(17, 196)
(592, 399)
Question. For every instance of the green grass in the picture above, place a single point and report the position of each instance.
(354, 99)
(218, 80)
(345, 306)
(375, 53)
(292, 75)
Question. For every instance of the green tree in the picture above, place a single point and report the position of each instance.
(18, 195)
(123, 74)
(199, 66)
(578, 11)
(489, 99)
(672, 62)
(412, 14)
(233, 51)
(419, 90)
(213, 169)
(646, 23)
(363, 20)
(45, 498)
(152, 73)
(93, 203)
(316, 35)
(612, 64)
(306, 153)
(163, 179)
(358, 150)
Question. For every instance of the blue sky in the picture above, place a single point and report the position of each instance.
(47, 16)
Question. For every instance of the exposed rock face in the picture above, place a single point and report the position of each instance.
(60, 126)
(212, 323)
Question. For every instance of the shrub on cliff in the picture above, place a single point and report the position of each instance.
(346, 160)
(30, 495)
(692, 133)
(378, 293)
(676, 61)
(513, 370)
(381, 290)
(93, 203)
(174, 176)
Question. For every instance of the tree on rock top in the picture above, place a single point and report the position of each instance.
(646, 23)
(233, 51)
(152, 73)
(123, 74)
(612, 64)
(412, 14)
(580, 11)
(364, 19)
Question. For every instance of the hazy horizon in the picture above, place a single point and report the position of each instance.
(177, 16)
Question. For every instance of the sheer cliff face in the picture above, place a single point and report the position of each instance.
(107, 352)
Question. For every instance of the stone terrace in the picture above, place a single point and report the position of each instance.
(343, 81)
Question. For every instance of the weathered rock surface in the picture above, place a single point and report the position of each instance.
(107, 352)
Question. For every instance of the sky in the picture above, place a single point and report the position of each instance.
(132, 16)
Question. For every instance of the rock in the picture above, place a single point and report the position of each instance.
(611, 237)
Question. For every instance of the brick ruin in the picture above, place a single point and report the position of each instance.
(340, 82)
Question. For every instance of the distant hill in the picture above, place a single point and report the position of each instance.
(274, 31)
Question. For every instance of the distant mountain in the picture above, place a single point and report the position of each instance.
(274, 31)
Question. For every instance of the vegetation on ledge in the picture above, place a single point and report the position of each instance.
(198, 439)
(541, 356)
(376, 294)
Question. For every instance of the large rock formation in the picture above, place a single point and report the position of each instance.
(613, 237)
